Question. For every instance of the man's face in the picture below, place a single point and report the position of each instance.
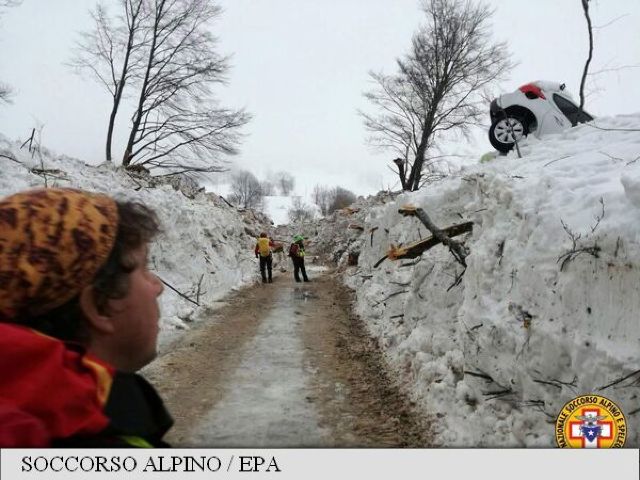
(136, 316)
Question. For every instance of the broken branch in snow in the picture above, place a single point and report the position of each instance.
(29, 140)
(225, 201)
(598, 217)
(497, 393)
(548, 383)
(389, 296)
(572, 383)
(198, 291)
(576, 250)
(179, 292)
(372, 230)
(479, 375)
(458, 279)
(590, 124)
(557, 160)
(47, 171)
(415, 249)
(620, 380)
(458, 250)
(138, 184)
(10, 158)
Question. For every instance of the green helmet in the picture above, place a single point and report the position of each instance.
(298, 238)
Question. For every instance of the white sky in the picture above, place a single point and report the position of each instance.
(300, 68)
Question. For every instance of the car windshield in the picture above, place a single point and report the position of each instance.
(571, 110)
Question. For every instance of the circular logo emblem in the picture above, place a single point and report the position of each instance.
(591, 421)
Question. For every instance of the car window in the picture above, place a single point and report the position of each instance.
(571, 110)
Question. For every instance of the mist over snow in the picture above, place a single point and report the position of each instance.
(493, 359)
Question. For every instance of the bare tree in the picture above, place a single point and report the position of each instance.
(112, 52)
(439, 85)
(323, 197)
(285, 182)
(585, 8)
(300, 211)
(177, 124)
(268, 189)
(5, 93)
(341, 198)
(246, 191)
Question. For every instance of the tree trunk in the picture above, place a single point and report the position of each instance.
(416, 169)
(123, 79)
(126, 160)
(112, 121)
(401, 173)
(585, 8)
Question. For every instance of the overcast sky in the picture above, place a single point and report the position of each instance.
(300, 67)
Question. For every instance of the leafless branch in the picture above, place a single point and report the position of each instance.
(578, 247)
(179, 292)
(438, 86)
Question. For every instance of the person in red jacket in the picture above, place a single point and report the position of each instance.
(78, 317)
(263, 251)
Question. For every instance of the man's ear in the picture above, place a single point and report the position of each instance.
(97, 320)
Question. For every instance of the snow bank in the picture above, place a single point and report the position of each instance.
(203, 238)
(493, 359)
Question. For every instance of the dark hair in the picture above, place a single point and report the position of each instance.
(137, 225)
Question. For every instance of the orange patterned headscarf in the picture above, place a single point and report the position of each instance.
(52, 243)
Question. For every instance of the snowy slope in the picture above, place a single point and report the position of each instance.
(533, 335)
(202, 238)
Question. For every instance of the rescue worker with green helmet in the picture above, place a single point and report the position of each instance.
(296, 252)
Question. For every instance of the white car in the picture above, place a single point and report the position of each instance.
(538, 107)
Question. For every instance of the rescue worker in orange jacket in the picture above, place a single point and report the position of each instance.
(78, 317)
(263, 251)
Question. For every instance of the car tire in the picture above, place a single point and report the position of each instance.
(502, 136)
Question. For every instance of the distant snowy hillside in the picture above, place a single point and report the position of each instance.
(276, 207)
(206, 245)
(493, 359)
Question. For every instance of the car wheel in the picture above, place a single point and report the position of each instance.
(504, 131)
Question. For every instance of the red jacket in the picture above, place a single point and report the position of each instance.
(52, 393)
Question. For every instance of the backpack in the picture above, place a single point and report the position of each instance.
(294, 249)
(263, 247)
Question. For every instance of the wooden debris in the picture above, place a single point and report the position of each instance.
(349, 210)
(355, 226)
(179, 292)
(372, 231)
(458, 250)
(415, 249)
